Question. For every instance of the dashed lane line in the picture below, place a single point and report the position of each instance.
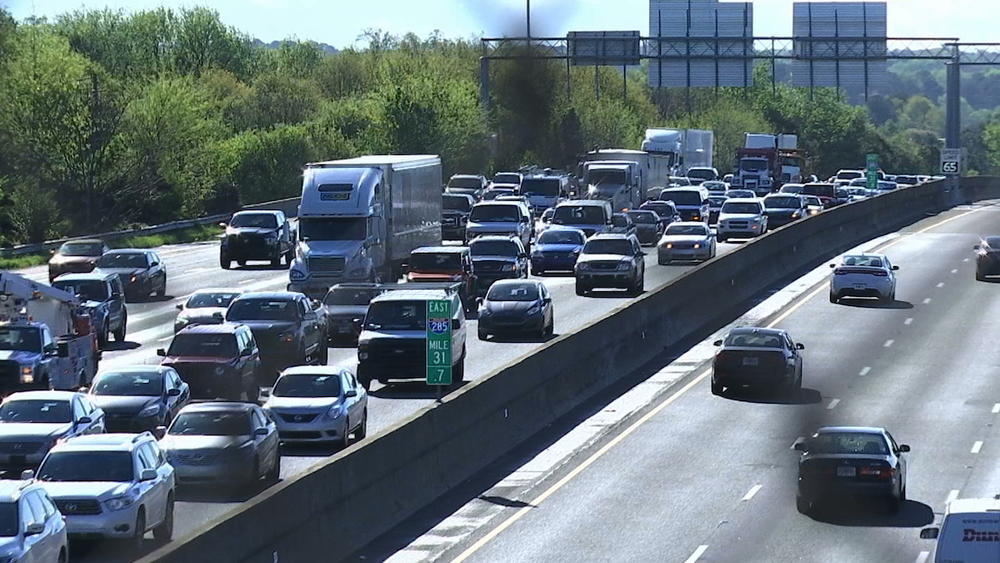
(865, 371)
(753, 491)
(697, 554)
(833, 404)
(977, 447)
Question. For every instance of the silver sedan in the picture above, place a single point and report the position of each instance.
(686, 241)
(319, 404)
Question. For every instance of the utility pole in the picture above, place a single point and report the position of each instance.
(528, 18)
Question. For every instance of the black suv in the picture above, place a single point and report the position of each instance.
(216, 361)
(455, 210)
(257, 235)
(497, 257)
(103, 297)
(287, 328)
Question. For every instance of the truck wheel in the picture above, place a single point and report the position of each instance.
(104, 336)
(225, 262)
(120, 333)
(290, 257)
(720, 238)
(581, 289)
(364, 379)
(276, 260)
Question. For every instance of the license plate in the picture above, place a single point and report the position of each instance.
(847, 471)
(860, 286)
(750, 361)
(336, 196)
(344, 329)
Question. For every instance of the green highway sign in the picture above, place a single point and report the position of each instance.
(871, 174)
(439, 342)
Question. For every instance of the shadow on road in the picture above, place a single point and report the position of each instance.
(509, 503)
(120, 346)
(862, 303)
(803, 397)
(871, 513)
(521, 338)
(412, 390)
(262, 267)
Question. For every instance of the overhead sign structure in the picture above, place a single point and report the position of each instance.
(439, 342)
(951, 162)
(871, 173)
(603, 48)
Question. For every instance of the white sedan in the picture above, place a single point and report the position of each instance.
(691, 240)
(864, 275)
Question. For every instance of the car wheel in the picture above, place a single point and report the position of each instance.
(581, 289)
(362, 430)
(717, 388)
(458, 371)
(663, 261)
(274, 475)
(163, 288)
(242, 263)
(980, 276)
(165, 530)
(345, 440)
(834, 298)
(551, 328)
(140, 531)
(803, 506)
(720, 238)
(225, 262)
(538, 271)
(483, 335)
(120, 332)
(323, 353)
(290, 257)
(276, 260)
(104, 336)
(62, 556)
(363, 378)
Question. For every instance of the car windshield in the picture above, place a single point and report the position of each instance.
(122, 260)
(753, 340)
(849, 174)
(608, 246)
(540, 186)
(753, 164)
(219, 300)
(714, 186)
(35, 410)
(680, 180)
(618, 220)
(130, 383)
(992, 242)
(495, 213)
(907, 180)
(561, 237)
(863, 261)
(717, 201)
(431, 262)
(848, 443)
(81, 249)
(354, 228)
(397, 315)
(307, 386)
(597, 177)
(24, 338)
(735, 194)
(111, 466)
(663, 209)
(8, 519)
(650, 218)
(209, 423)
(886, 186)
(741, 207)
(843, 193)
(493, 248)
(506, 178)
(792, 189)
(263, 310)
(456, 203)
(258, 220)
(350, 296)
(702, 174)
(467, 182)
(579, 215)
(825, 190)
(88, 290)
(522, 291)
(687, 230)
(683, 197)
(782, 202)
(203, 345)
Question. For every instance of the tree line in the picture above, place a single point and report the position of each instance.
(111, 119)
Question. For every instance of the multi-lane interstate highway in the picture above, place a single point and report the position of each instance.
(695, 477)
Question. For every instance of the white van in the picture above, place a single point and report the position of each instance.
(970, 532)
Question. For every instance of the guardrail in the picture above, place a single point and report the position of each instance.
(347, 501)
(290, 206)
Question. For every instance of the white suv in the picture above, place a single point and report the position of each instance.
(31, 528)
(111, 486)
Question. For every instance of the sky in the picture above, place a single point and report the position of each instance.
(340, 22)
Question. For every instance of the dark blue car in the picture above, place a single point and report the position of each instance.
(557, 249)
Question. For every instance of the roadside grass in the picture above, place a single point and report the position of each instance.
(196, 233)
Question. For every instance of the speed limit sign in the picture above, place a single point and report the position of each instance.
(951, 162)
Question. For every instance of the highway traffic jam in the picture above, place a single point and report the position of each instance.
(247, 374)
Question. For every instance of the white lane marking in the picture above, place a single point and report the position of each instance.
(753, 491)
(940, 284)
(955, 271)
(926, 301)
(888, 343)
(952, 495)
(697, 554)
(996, 408)
(922, 558)
(864, 371)
(965, 260)
(833, 404)
(908, 321)
(977, 446)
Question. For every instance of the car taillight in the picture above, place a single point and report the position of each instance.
(880, 274)
(879, 472)
(839, 272)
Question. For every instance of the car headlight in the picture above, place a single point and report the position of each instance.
(534, 310)
(667, 245)
(625, 266)
(582, 266)
(119, 503)
(220, 370)
(181, 322)
(697, 245)
(796, 215)
(334, 412)
(27, 374)
(286, 337)
(151, 410)
(296, 275)
(507, 268)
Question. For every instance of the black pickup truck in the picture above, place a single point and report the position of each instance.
(257, 235)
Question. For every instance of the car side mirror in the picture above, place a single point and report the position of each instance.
(222, 224)
(159, 432)
(894, 268)
(34, 529)
(717, 343)
(27, 474)
(833, 265)
(52, 251)
(218, 316)
(260, 432)
(84, 420)
(174, 392)
(930, 533)
(800, 346)
(161, 352)
(148, 475)
(547, 300)
(246, 352)
(351, 393)
(799, 446)
(903, 448)
(179, 306)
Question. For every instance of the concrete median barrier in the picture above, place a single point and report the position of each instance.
(344, 503)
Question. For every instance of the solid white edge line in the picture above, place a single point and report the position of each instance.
(833, 404)
(952, 495)
(977, 447)
(864, 371)
(697, 554)
(922, 558)
(753, 491)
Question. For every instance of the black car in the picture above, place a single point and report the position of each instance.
(782, 209)
(216, 361)
(648, 227)
(757, 357)
(257, 235)
(497, 257)
(666, 210)
(141, 271)
(715, 207)
(516, 307)
(285, 325)
(622, 224)
(455, 210)
(987, 258)
(139, 398)
(839, 461)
